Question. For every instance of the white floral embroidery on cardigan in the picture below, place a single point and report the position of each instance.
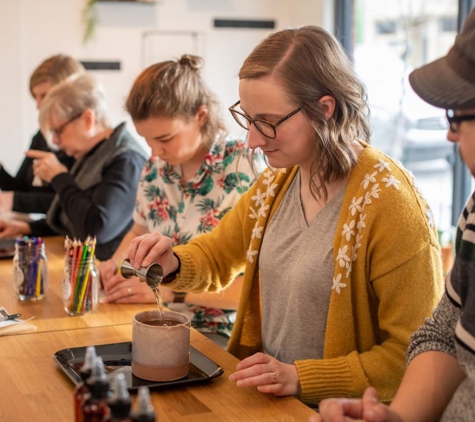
(429, 214)
(352, 233)
(260, 209)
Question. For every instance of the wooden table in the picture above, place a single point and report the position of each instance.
(48, 313)
(34, 388)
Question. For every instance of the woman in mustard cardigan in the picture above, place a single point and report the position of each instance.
(338, 248)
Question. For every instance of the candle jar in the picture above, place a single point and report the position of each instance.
(80, 286)
(30, 270)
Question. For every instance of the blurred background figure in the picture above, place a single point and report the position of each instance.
(96, 197)
(194, 177)
(20, 194)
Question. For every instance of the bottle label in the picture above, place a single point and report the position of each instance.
(66, 289)
(18, 277)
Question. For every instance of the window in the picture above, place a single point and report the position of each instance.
(386, 27)
(390, 39)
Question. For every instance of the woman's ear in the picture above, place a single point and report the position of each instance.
(202, 114)
(89, 119)
(328, 105)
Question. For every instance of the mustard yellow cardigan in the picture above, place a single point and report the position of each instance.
(387, 279)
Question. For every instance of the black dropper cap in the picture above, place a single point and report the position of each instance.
(98, 383)
(144, 411)
(86, 369)
(120, 402)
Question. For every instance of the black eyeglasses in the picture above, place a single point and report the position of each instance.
(455, 119)
(268, 129)
(59, 130)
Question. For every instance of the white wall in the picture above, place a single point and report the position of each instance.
(32, 30)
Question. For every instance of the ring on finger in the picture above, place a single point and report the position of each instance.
(274, 377)
(129, 291)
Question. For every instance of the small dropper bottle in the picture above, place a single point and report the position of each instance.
(95, 408)
(144, 411)
(82, 392)
(120, 402)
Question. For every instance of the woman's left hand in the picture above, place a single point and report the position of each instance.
(12, 228)
(130, 290)
(268, 374)
(46, 165)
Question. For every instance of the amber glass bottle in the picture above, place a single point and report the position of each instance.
(95, 408)
(82, 392)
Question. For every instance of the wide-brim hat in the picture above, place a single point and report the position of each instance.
(449, 82)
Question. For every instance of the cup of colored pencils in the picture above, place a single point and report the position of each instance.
(30, 270)
(80, 277)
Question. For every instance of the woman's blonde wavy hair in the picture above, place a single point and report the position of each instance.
(176, 89)
(309, 63)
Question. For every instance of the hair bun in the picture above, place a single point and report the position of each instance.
(195, 62)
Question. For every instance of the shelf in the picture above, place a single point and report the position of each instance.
(128, 1)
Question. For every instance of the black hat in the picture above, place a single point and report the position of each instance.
(449, 82)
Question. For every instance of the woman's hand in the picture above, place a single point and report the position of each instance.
(12, 228)
(131, 290)
(367, 409)
(46, 165)
(6, 201)
(107, 270)
(152, 248)
(127, 290)
(268, 374)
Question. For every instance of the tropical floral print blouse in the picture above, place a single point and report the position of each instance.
(183, 210)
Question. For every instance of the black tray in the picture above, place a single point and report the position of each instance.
(117, 358)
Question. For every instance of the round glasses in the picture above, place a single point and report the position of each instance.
(455, 119)
(268, 129)
(59, 130)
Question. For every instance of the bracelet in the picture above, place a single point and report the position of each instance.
(179, 297)
(171, 276)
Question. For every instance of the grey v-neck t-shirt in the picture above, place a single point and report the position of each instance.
(296, 271)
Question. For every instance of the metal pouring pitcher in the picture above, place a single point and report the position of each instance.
(152, 275)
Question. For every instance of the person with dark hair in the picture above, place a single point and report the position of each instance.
(97, 196)
(439, 383)
(340, 254)
(195, 176)
(21, 193)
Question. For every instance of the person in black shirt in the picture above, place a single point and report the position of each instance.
(19, 192)
(97, 196)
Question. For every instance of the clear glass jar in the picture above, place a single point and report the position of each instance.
(80, 286)
(30, 269)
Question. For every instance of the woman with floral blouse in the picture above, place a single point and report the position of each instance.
(194, 177)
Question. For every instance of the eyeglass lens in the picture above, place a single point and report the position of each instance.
(265, 128)
(455, 120)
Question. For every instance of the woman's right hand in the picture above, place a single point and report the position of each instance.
(152, 248)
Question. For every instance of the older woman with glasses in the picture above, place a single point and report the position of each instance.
(97, 196)
(340, 253)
